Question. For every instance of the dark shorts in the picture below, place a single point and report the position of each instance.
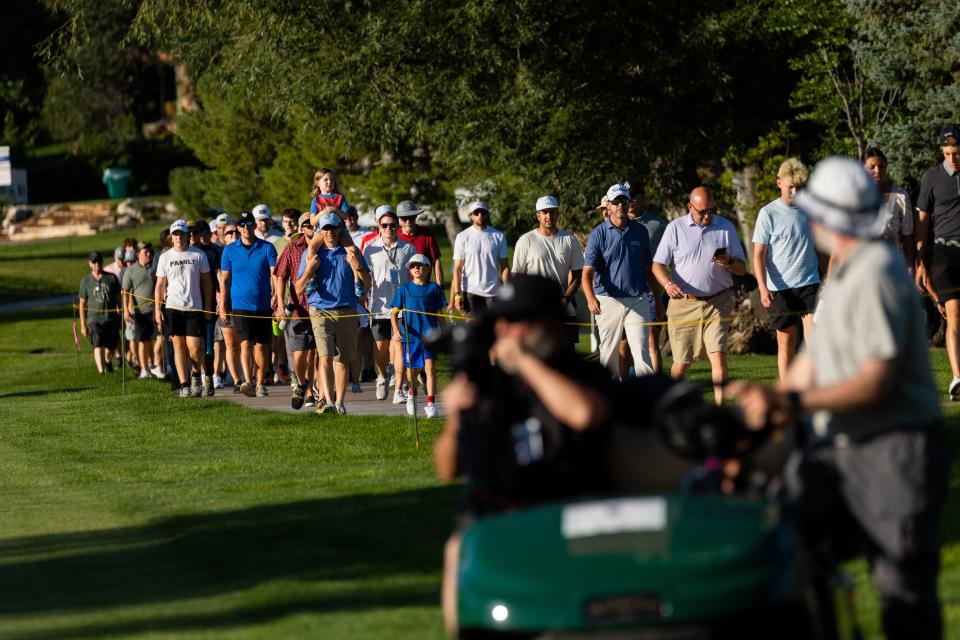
(945, 272)
(191, 324)
(253, 325)
(144, 327)
(381, 329)
(104, 334)
(299, 335)
(790, 305)
(474, 304)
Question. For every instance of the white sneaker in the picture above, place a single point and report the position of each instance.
(411, 408)
(144, 374)
(399, 397)
(954, 389)
(158, 373)
(217, 382)
(381, 388)
(430, 410)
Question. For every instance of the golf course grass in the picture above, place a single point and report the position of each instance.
(146, 515)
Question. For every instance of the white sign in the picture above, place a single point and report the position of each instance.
(6, 179)
(16, 192)
(588, 519)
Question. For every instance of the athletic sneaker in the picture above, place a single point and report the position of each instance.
(158, 373)
(310, 402)
(430, 410)
(399, 397)
(108, 367)
(368, 374)
(411, 408)
(196, 386)
(341, 410)
(208, 387)
(954, 389)
(381, 388)
(283, 373)
(185, 391)
(247, 389)
(144, 374)
(217, 382)
(262, 391)
(236, 389)
(356, 388)
(296, 398)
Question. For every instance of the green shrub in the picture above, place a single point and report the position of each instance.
(186, 188)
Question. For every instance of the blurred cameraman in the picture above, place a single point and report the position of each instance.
(528, 429)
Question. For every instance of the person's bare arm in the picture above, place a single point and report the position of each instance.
(224, 301)
(82, 311)
(456, 301)
(504, 270)
(280, 286)
(573, 283)
(760, 271)
(920, 240)
(663, 278)
(586, 281)
(438, 271)
(159, 296)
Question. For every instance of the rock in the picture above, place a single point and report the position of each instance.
(171, 209)
(131, 208)
(750, 330)
(15, 214)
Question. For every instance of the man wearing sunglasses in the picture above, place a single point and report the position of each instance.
(616, 278)
(387, 256)
(704, 253)
(479, 262)
(297, 331)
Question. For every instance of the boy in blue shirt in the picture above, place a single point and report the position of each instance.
(418, 297)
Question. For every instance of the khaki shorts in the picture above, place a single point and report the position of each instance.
(336, 332)
(699, 327)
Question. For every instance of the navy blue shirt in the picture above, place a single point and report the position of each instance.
(249, 269)
(620, 259)
(332, 284)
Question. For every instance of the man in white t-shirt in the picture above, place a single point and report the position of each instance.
(553, 253)
(264, 222)
(387, 256)
(184, 284)
(479, 262)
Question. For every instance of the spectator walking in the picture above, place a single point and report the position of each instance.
(420, 237)
(785, 264)
(200, 238)
(327, 277)
(655, 226)
(388, 257)
(293, 314)
(183, 284)
(616, 279)
(99, 311)
(246, 288)
(420, 301)
(940, 200)
(139, 287)
(223, 221)
(703, 251)
(479, 262)
(896, 218)
(265, 230)
(875, 476)
(553, 253)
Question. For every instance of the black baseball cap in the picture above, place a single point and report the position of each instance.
(246, 218)
(949, 134)
(527, 296)
(95, 256)
(200, 227)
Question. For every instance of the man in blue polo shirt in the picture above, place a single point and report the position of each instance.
(616, 278)
(329, 278)
(246, 287)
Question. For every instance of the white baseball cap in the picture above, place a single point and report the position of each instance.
(478, 204)
(225, 218)
(843, 197)
(547, 202)
(383, 210)
(418, 258)
(617, 190)
(179, 225)
(261, 212)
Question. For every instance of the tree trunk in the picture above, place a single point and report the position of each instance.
(745, 183)
(452, 224)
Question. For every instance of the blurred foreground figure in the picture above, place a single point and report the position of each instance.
(873, 479)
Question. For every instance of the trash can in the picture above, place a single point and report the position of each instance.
(117, 181)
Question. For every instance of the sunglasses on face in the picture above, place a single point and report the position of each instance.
(329, 227)
(389, 225)
(621, 201)
(232, 232)
(417, 265)
(306, 225)
(247, 225)
(712, 211)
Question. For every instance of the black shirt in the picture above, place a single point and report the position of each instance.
(940, 198)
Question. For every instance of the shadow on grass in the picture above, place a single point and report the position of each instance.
(40, 392)
(63, 311)
(358, 537)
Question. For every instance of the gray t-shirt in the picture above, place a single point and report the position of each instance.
(655, 226)
(552, 257)
(138, 281)
(871, 310)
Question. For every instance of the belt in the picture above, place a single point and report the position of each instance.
(949, 243)
(688, 296)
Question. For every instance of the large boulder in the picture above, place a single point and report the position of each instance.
(15, 214)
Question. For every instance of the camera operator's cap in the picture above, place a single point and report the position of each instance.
(418, 258)
(246, 218)
(478, 205)
(949, 135)
(130, 255)
(179, 225)
(408, 208)
(261, 212)
(527, 296)
(547, 202)
(384, 210)
(842, 196)
(329, 219)
(225, 218)
(603, 204)
(616, 191)
(95, 256)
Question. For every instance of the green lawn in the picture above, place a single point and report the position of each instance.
(146, 515)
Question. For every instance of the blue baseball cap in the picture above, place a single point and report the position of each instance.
(328, 220)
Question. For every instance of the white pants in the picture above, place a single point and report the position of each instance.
(619, 316)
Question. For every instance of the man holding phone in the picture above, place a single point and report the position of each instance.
(704, 253)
